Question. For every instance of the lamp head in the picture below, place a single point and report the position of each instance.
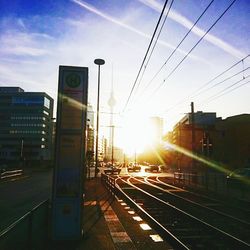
(99, 61)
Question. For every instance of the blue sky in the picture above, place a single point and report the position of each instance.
(38, 36)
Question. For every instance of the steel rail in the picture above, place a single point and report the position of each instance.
(197, 204)
(172, 239)
(209, 226)
(226, 200)
(203, 196)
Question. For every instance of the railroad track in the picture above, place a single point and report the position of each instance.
(236, 202)
(190, 224)
(227, 207)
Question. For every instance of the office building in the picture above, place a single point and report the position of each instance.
(25, 126)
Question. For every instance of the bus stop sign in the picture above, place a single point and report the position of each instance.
(67, 197)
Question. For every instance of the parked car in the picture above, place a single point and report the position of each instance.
(239, 178)
(112, 170)
(152, 168)
(134, 168)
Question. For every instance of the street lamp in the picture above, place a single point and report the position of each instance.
(98, 62)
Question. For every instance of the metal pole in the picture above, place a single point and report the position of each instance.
(193, 135)
(135, 157)
(98, 62)
(21, 153)
(97, 123)
(112, 150)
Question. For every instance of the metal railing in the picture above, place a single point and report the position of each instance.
(11, 174)
(28, 232)
(214, 182)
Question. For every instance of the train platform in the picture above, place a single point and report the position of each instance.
(110, 224)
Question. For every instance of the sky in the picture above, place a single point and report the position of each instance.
(38, 36)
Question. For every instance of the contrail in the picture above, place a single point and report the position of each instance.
(128, 27)
(197, 31)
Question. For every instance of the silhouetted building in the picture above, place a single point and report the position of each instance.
(25, 125)
(200, 143)
(231, 141)
(225, 141)
(90, 134)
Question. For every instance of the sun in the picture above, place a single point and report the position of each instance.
(136, 134)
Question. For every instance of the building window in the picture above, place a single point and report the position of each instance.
(46, 102)
(45, 112)
(28, 100)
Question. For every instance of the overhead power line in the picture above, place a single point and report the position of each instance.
(144, 59)
(156, 40)
(218, 83)
(216, 77)
(176, 48)
(190, 51)
(193, 94)
(223, 90)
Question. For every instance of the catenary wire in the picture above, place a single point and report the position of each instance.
(145, 56)
(176, 48)
(223, 90)
(218, 83)
(156, 40)
(193, 94)
(227, 92)
(177, 66)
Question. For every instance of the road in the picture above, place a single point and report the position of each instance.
(20, 196)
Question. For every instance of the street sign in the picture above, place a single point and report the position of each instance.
(68, 183)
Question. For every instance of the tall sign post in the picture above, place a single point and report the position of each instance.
(69, 164)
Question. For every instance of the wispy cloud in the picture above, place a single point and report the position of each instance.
(23, 51)
(23, 44)
(20, 22)
(196, 30)
(128, 27)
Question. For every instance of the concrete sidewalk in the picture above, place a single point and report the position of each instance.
(96, 231)
(109, 223)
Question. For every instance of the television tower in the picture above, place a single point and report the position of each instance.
(111, 103)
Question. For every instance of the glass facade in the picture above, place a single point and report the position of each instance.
(31, 101)
(25, 126)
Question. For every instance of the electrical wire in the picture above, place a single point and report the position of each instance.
(177, 66)
(144, 59)
(176, 48)
(223, 90)
(227, 92)
(193, 94)
(216, 84)
(156, 40)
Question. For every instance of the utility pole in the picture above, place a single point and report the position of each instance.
(124, 159)
(193, 135)
(112, 146)
(135, 157)
(178, 153)
(111, 103)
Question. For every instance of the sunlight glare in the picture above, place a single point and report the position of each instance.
(137, 133)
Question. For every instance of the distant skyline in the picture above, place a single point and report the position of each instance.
(38, 36)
